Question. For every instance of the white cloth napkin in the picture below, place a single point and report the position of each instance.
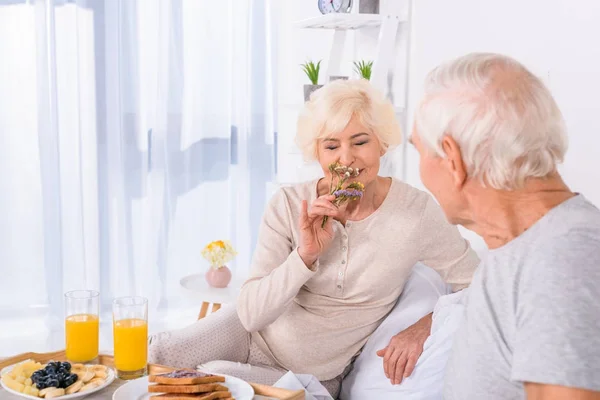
(311, 385)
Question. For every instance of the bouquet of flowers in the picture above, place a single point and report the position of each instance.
(218, 253)
(353, 191)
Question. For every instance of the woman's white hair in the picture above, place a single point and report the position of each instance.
(330, 109)
(506, 122)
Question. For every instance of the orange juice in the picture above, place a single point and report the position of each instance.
(131, 344)
(81, 334)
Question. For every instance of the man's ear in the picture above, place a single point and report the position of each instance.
(454, 161)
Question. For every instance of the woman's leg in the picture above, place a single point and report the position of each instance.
(333, 386)
(219, 336)
(250, 373)
(259, 368)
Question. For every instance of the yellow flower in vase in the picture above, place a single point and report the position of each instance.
(218, 253)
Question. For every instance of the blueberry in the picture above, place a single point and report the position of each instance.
(71, 379)
(67, 366)
(53, 382)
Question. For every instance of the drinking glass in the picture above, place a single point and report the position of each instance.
(81, 325)
(130, 330)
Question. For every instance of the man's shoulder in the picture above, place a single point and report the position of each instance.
(566, 233)
(570, 240)
(561, 252)
(562, 258)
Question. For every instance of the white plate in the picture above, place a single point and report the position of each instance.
(109, 379)
(138, 389)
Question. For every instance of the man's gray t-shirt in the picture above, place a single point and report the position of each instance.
(532, 312)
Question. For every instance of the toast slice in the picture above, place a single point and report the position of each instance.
(185, 377)
(199, 388)
(189, 396)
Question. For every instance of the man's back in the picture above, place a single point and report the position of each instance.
(533, 311)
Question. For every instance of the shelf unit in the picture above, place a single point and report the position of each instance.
(389, 36)
(341, 21)
(386, 34)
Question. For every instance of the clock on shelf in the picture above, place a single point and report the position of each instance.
(334, 6)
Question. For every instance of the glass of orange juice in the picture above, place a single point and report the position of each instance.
(130, 330)
(81, 325)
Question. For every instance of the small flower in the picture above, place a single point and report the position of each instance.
(218, 253)
(353, 191)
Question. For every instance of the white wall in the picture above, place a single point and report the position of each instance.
(558, 40)
(295, 46)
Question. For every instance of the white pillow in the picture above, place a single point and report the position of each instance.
(367, 379)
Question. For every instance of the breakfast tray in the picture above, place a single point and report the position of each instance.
(262, 390)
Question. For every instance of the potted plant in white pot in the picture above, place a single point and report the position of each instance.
(363, 68)
(312, 72)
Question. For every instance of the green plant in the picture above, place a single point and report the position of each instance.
(312, 71)
(363, 68)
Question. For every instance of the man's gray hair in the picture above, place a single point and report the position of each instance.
(505, 120)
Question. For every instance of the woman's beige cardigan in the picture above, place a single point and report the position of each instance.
(316, 321)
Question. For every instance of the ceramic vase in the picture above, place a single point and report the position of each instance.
(218, 277)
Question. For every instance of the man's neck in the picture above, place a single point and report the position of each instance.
(501, 216)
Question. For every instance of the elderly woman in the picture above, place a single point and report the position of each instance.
(317, 290)
(490, 136)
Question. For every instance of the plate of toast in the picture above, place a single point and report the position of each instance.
(185, 384)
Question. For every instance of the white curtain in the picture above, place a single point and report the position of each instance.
(132, 133)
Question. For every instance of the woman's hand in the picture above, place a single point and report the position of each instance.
(401, 354)
(314, 239)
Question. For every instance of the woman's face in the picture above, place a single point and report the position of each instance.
(354, 147)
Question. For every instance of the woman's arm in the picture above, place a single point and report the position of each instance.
(444, 249)
(277, 272)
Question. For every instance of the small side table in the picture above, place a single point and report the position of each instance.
(196, 288)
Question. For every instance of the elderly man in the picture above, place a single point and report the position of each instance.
(490, 136)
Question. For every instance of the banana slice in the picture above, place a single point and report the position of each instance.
(74, 388)
(55, 393)
(89, 375)
(99, 368)
(98, 381)
(100, 374)
(89, 386)
(44, 392)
